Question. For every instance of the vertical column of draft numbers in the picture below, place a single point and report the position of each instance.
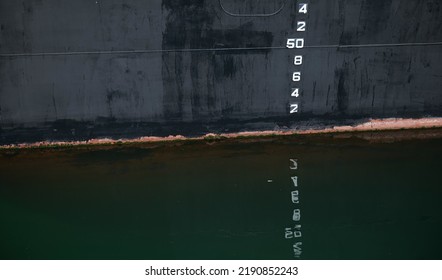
(298, 59)
(293, 231)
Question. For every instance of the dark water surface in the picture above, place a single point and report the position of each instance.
(365, 197)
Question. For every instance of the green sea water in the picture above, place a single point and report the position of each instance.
(369, 196)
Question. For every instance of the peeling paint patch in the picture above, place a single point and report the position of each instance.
(374, 125)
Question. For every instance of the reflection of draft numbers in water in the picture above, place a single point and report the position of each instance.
(297, 43)
(294, 232)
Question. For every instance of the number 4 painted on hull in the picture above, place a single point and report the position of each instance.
(302, 8)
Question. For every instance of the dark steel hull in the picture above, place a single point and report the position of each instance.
(76, 70)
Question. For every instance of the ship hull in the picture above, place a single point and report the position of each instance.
(78, 70)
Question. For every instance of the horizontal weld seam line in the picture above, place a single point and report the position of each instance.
(214, 49)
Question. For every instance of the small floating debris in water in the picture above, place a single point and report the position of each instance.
(269, 181)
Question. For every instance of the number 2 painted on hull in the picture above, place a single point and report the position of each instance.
(301, 26)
